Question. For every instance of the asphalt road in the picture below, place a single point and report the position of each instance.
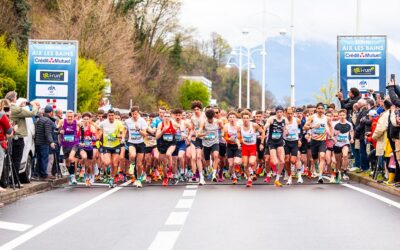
(208, 217)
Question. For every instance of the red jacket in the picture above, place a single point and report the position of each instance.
(373, 127)
(5, 127)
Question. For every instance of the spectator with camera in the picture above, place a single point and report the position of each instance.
(18, 114)
(354, 97)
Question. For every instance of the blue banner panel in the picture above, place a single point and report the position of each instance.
(362, 63)
(52, 73)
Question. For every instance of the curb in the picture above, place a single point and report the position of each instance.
(372, 183)
(29, 189)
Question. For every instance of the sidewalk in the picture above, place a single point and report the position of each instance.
(366, 180)
(30, 188)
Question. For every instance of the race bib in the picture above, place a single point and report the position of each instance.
(87, 143)
(292, 136)
(69, 138)
(168, 137)
(111, 137)
(320, 131)
(178, 137)
(342, 138)
(248, 139)
(276, 135)
(135, 135)
(210, 136)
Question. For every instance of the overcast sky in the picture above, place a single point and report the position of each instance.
(316, 20)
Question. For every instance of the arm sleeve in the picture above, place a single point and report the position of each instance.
(23, 113)
(6, 124)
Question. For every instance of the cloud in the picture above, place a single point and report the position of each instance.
(314, 20)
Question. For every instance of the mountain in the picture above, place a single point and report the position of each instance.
(315, 63)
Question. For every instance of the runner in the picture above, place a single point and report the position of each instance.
(320, 127)
(70, 143)
(87, 135)
(260, 153)
(343, 136)
(222, 144)
(111, 131)
(247, 133)
(135, 128)
(151, 164)
(292, 144)
(166, 144)
(197, 155)
(233, 149)
(209, 132)
(182, 140)
(329, 156)
(276, 125)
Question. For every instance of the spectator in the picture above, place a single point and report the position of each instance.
(43, 139)
(5, 129)
(58, 115)
(360, 132)
(394, 94)
(18, 115)
(354, 97)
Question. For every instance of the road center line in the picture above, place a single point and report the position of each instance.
(164, 240)
(176, 218)
(43, 227)
(14, 226)
(184, 203)
(189, 193)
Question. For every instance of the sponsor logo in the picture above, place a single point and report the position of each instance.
(52, 76)
(52, 90)
(362, 55)
(52, 60)
(363, 85)
(362, 70)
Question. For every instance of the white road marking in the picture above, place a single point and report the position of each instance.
(176, 218)
(14, 226)
(48, 224)
(373, 195)
(184, 203)
(192, 186)
(189, 193)
(164, 240)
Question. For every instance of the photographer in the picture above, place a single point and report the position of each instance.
(18, 115)
(354, 96)
(5, 129)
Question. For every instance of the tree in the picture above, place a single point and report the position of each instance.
(13, 68)
(327, 92)
(190, 91)
(91, 85)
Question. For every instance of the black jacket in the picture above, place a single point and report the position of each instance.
(349, 103)
(360, 126)
(394, 94)
(44, 128)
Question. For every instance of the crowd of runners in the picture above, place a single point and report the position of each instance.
(207, 143)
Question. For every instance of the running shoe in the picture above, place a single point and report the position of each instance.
(234, 180)
(174, 181)
(300, 179)
(71, 177)
(135, 184)
(116, 179)
(170, 175)
(165, 182)
(346, 177)
(82, 172)
(121, 177)
(194, 179)
(202, 182)
(277, 183)
(87, 182)
(148, 179)
(133, 179)
(221, 179)
(249, 183)
(320, 180)
(214, 177)
(262, 173)
(332, 179)
(289, 181)
(338, 178)
(139, 184)
(259, 170)
(267, 179)
(111, 183)
(131, 168)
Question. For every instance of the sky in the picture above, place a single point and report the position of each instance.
(314, 20)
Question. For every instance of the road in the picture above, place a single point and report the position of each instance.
(308, 216)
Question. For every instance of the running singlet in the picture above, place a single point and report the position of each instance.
(111, 131)
(342, 133)
(249, 137)
(232, 135)
(179, 133)
(70, 137)
(89, 137)
(293, 131)
(134, 128)
(169, 135)
(196, 122)
(150, 139)
(276, 130)
(319, 134)
(211, 137)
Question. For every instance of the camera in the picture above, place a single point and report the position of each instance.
(28, 103)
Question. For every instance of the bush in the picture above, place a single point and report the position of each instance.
(190, 91)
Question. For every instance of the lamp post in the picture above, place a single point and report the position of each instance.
(292, 83)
